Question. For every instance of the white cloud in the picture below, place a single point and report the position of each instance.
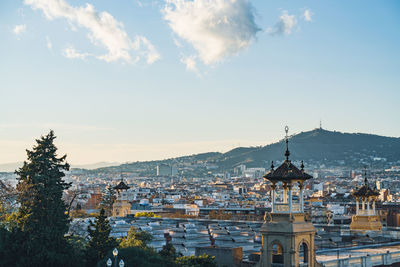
(150, 52)
(190, 63)
(215, 28)
(70, 52)
(285, 24)
(307, 15)
(49, 44)
(104, 30)
(19, 29)
(177, 43)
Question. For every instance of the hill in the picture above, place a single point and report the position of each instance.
(318, 147)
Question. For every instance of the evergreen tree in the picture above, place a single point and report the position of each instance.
(169, 252)
(197, 261)
(41, 220)
(107, 200)
(136, 238)
(100, 241)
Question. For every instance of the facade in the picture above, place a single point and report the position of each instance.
(121, 206)
(366, 218)
(93, 202)
(166, 170)
(287, 237)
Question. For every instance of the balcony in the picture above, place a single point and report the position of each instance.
(284, 208)
(366, 213)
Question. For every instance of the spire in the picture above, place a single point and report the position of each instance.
(272, 165)
(287, 153)
(365, 176)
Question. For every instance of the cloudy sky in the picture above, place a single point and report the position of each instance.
(147, 79)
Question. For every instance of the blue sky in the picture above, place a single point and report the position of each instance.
(155, 79)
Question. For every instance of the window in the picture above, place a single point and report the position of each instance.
(303, 253)
(277, 253)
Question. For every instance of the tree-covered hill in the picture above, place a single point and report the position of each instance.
(316, 147)
(320, 146)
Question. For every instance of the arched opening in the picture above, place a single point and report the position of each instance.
(303, 254)
(277, 254)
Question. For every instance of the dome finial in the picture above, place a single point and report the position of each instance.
(287, 153)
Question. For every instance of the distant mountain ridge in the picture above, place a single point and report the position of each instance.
(95, 165)
(318, 147)
(321, 146)
(11, 167)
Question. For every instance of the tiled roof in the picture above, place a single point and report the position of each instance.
(121, 186)
(286, 172)
(365, 191)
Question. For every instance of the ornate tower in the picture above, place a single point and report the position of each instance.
(287, 237)
(121, 206)
(365, 218)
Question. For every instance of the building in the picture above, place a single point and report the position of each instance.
(366, 218)
(166, 170)
(93, 201)
(287, 237)
(121, 206)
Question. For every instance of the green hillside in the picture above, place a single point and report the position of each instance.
(317, 147)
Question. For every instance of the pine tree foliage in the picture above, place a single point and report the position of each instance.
(197, 261)
(108, 199)
(41, 219)
(100, 241)
(169, 252)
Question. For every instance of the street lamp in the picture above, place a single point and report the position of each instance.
(115, 253)
(109, 262)
(121, 263)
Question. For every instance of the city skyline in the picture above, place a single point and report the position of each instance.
(195, 87)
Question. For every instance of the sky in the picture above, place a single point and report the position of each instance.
(122, 81)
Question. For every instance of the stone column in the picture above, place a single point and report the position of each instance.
(301, 197)
(357, 205)
(373, 206)
(368, 205)
(285, 187)
(273, 197)
(363, 203)
(290, 198)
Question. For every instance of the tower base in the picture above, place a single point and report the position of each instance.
(365, 223)
(287, 240)
(121, 208)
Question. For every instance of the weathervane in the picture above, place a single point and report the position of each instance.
(287, 153)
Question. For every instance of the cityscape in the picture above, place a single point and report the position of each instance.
(199, 133)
